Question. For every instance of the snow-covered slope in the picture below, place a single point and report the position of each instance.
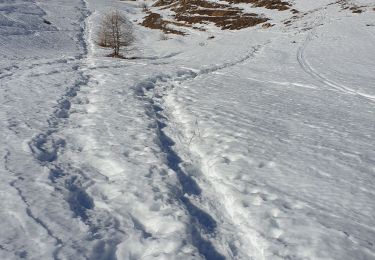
(252, 144)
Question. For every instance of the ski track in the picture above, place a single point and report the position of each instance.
(310, 70)
(203, 224)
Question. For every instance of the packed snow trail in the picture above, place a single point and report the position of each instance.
(191, 197)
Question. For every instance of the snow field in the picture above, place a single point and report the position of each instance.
(302, 213)
(256, 144)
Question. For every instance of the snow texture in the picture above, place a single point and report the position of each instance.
(254, 144)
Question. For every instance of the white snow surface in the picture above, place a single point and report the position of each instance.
(256, 144)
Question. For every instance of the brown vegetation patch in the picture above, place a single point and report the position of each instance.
(291, 20)
(190, 12)
(164, 3)
(222, 15)
(204, 4)
(267, 25)
(155, 21)
(269, 4)
(211, 12)
(346, 5)
(294, 11)
(356, 10)
(231, 23)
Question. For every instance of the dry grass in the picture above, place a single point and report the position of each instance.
(231, 23)
(346, 5)
(267, 25)
(202, 12)
(193, 13)
(164, 3)
(292, 19)
(294, 11)
(356, 10)
(155, 21)
(269, 4)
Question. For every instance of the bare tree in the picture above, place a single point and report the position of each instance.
(115, 31)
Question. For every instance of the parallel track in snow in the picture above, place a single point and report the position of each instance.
(309, 69)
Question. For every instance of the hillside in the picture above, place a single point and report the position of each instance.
(238, 129)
